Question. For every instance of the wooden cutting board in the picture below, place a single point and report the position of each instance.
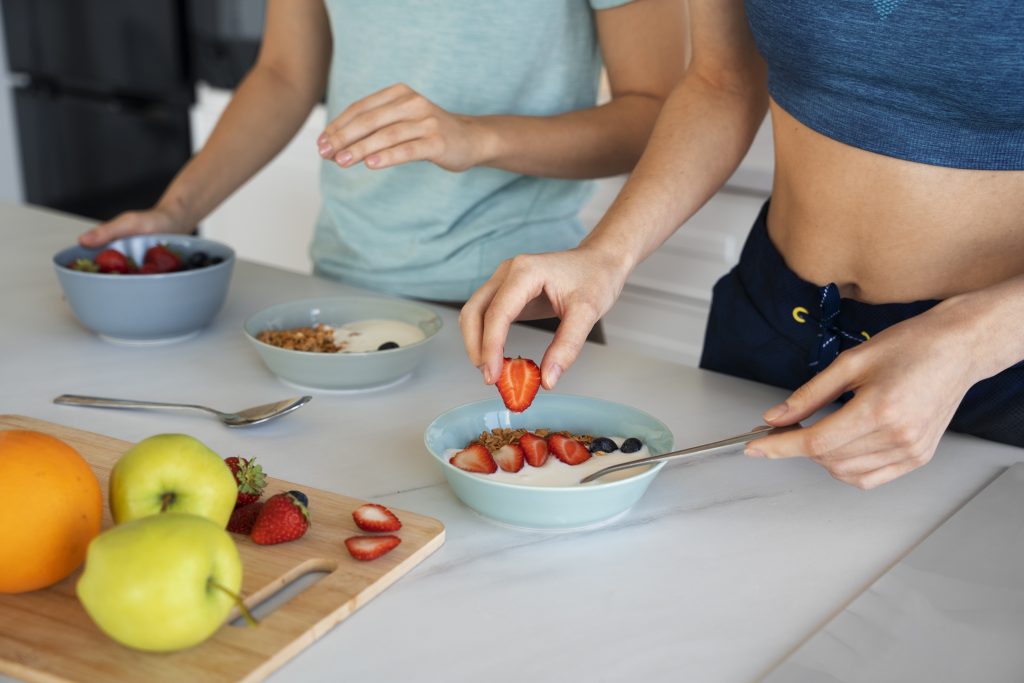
(46, 635)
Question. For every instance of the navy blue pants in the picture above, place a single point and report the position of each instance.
(768, 325)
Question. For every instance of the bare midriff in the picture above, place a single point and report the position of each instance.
(887, 230)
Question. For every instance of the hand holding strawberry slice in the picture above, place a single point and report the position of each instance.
(373, 517)
(283, 517)
(249, 477)
(518, 383)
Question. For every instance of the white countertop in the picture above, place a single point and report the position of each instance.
(722, 569)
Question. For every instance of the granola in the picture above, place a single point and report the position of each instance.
(319, 339)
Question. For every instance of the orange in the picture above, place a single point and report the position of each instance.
(50, 508)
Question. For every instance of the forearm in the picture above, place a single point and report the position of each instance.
(701, 136)
(589, 143)
(989, 323)
(264, 113)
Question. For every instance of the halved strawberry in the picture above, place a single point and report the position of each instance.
(510, 457)
(243, 518)
(534, 448)
(570, 451)
(373, 517)
(518, 383)
(365, 548)
(475, 458)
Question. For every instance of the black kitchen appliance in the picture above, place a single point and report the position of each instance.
(104, 88)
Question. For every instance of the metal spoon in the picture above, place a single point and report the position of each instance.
(755, 433)
(243, 418)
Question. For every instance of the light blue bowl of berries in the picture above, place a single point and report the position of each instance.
(533, 492)
(146, 289)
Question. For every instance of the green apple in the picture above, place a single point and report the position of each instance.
(162, 582)
(172, 473)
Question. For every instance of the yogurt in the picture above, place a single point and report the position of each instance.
(554, 472)
(368, 335)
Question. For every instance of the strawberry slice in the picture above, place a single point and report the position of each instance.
(510, 457)
(534, 448)
(518, 383)
(475, 458)
(373, 517)
(570, 451)
(365, 548)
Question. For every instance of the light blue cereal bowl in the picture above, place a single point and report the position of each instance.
(554, 508)
(342, 371)
(152, 308)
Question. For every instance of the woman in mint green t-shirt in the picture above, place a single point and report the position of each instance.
(459, 132)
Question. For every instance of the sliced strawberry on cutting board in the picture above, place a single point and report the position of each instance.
(518, 383)
(510, 457)
(284, 517)
(365, 548)
(373, 517)
(534, 448)
(568, 450)
(475, 458)
(243, 518)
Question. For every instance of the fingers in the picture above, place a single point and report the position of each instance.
(392, 145)
(569, 338)
(388, 107)
(515, 292)
(471, 318)
(821, 390)
(123, 225)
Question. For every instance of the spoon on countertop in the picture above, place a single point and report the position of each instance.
(755, 433)
(243, 418)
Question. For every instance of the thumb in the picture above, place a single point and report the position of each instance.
(821, 390)
(566, 346)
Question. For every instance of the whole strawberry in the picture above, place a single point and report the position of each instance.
(249, 477)
(161, 259)
(243, 518)
(283, 517)
(113, 261)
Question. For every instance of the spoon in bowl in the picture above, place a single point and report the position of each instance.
(755, 433)
(243, 418)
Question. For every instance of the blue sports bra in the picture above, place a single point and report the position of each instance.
(934, 81)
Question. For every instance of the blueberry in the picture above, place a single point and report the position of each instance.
(215, 260)
(387, 345)
(631, 445)
(603, 443)
(198, 259)
(301, 497)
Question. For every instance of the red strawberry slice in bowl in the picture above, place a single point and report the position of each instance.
(510, 457)
(568, 450)
(374, 517)
(113, 261)
(518, 383)
(534, 448)
(475, 458)
(161, 259)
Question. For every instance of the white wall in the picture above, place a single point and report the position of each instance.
(10, 166)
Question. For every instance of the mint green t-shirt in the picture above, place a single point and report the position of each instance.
(420, 231)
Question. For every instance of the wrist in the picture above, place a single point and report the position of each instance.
(178, 211)
(486, 141)
(617, 257)
(990, 332)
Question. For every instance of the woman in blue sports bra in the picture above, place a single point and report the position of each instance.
(887, 271)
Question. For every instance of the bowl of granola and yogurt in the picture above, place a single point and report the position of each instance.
(546, 495)
(344, 342)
